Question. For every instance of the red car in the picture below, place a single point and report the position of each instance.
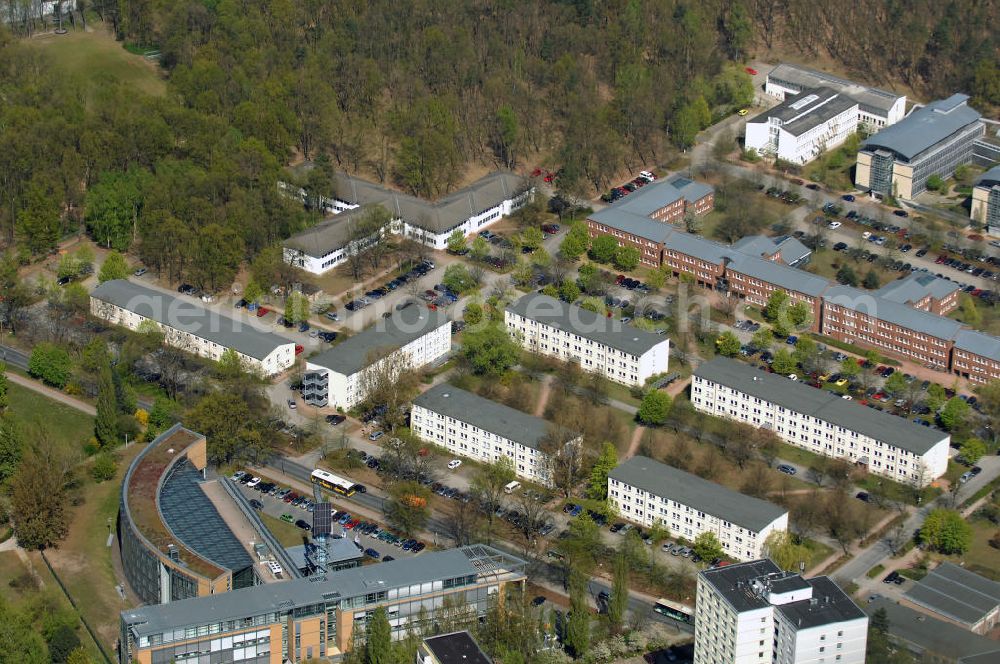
(262, 311)
(940, 259)
(535, 173)
(751, 71)
(290, 497)
(549, 177)
(299, 349)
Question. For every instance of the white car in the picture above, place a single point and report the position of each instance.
(834, 224)
(254, 482)
(454, 463)
(866, 234)
(792, 377)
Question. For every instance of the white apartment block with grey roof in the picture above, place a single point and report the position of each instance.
(606, 346)
(646, 491)
(821, 422)
(932, 140)
(754, 613)
(471, 426)
(191, 327)
(876, 108)
(468, 210)
(804, 126)
(410, 338)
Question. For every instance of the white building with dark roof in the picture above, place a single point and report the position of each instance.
(821, 422)
(474, 427)
(410, 338)
(877, 108)
(191, 327)
(467, 210)
(754, 613)
(606, 346)
(986, 200)
(932, 140)
(646, 491)
(804, 125)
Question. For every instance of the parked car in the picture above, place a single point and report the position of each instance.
(141, 271)
(454, 463)
(303, 524)
(786, 469)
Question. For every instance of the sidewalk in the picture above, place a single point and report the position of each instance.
(51, 393)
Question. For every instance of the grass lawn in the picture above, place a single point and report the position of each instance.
(981, 557)
(11, 568)
(67, 425)
(826, 263)
(95, 55)
(818, 552)
(83, 559)
(286, 533)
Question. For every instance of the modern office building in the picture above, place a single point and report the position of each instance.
(469, 425)
(174, 545)
(959, 596)
(754, 613)
(821, 422)
(868, 319)
(319, 616)
(985, 208)
(412, 338)
(646, 491)
(454, 648)
(467, 210)
(803, 126)
(932, 140)
(619, 352)
(191, 327)
(876, 108)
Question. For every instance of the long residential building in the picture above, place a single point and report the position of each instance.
(754, 613)
(469, 425)
(467, 210)
(606, 346)
(821, 422)
(191, 327)
(320, 616)
(409, 339)
(876, 108)
(647, 491)
(804, 126)
(932, 140)
(976, 356)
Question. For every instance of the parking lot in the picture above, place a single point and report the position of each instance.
(278, 502)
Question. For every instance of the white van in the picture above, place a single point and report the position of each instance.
(512, 487)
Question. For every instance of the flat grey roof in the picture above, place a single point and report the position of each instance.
(990, 178)
(338, 550)
(486, 414)
(761, 245)
(709, 497)
(789, 278)
(189, 316)
(328, 235)
(576, 320)
(809, 108)
(925, 127)
(283, 597)
(632, 213)
(821, 404)
(831, 605)
(956, 593)
(456, 648)
(698, 247)
(980, 343)
(803, 77)
(733, 582)
(692, 190)
(921, 632)
(636, 224)
(916, 286)
(893, 312)
(385, 336)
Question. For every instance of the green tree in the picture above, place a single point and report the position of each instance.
(971, 315)
(114, 267)
(955, 414)
(51, 364)
(685, 126)
(21, 642)
(576, 242)
(480, 249)
(569, 291)
(935, 182)
(577, 638)
(849, 368)
(946, 531)
(785, 550)
(602, 248)
(408, 509)
(61, 642)
(871, 281)
(935, 397)
(626, 258)
(473, 313)
(798, 314)
(458, 279)
(226, 421)
(895, 384)
(38, 493)
(532, 238)
(253, 293)
(728, 344)
(972, 450)
(11, 447)
(655, 408)
(846, 276)
(490, 351)
(296, 308)
(783, 362)
(597, 486)
(106, 421)
(104, 467)
(378, 638)
(79, 656)
(456, 242)
(618, 601)
(4, 388)
(775, 307)
(762, 339)
(114, 205)
(707, 546)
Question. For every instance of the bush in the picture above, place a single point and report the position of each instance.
(105, 467)
(51, 364)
